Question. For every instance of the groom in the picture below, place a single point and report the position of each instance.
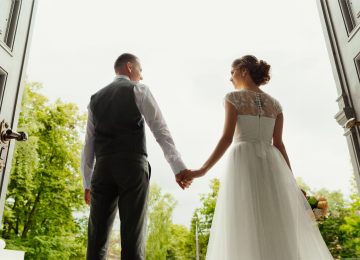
(115, 136)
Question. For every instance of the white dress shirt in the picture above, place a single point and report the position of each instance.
(154, 119)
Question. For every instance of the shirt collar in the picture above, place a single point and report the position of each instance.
(122, 77)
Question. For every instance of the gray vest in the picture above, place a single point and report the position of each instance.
(119, 125)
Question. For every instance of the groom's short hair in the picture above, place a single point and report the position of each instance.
(123, 59)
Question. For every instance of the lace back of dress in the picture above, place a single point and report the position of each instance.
(254, 103)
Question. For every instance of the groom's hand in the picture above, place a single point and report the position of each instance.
(180, 179)
(87, 196)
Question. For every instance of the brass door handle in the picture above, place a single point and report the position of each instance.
(351, 123)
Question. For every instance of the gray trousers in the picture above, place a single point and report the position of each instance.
(122, 183)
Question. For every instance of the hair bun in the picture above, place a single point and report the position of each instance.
(264, 69)
(258, 69)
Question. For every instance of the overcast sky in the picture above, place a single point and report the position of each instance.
(186, 48)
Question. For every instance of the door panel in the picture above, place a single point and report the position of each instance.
(9, 15)
(341, 25)
(16, 22)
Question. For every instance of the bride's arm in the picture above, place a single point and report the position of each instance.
(277, 137)
(223, 143)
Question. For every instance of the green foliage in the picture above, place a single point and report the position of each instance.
(330, 227)
(45, 185)
(161, 207)
(341, 231)
(203, 217)
(351, 229)
(179, 244)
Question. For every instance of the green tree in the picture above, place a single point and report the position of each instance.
(45, 186)
(161, 207)
(179, 244)
(203, 217)
(351, 229)
(352, 222)
(341, 230)
(330, 228)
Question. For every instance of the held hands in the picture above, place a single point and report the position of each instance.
(185, 177)
(181, 181)
(192, 174)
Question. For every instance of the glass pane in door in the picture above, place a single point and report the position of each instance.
(9, 13)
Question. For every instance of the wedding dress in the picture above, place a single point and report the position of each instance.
(260, 213)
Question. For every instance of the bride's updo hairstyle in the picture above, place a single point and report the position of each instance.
(258, 69)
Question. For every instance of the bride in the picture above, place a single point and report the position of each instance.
(260, 214)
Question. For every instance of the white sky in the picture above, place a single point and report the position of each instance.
(186, 48)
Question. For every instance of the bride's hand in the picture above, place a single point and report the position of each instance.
(195, 174)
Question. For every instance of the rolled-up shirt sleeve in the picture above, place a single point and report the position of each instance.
(149, 108)
(88, 153)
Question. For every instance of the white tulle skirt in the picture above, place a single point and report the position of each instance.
(261, 214)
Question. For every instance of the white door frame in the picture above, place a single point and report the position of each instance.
(13, 60)
(342, 37)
